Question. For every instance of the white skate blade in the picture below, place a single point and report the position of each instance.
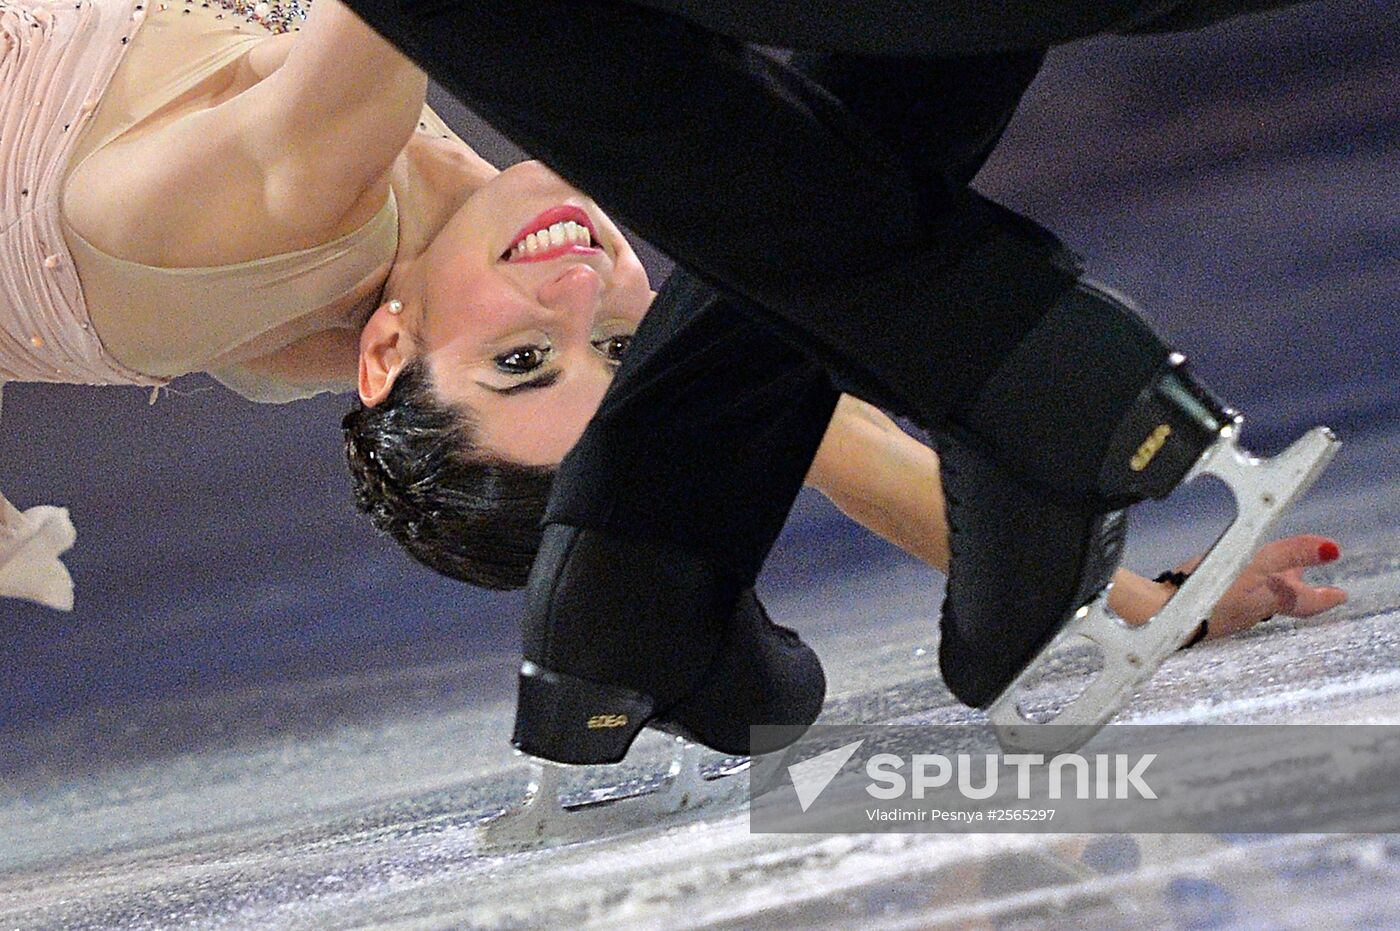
(1263, 490)
(543, 819)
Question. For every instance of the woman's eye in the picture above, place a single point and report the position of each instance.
(521, 360)
(614, 347)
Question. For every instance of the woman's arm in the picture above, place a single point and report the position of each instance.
(1271, 584)
(329, 120)
(296, 151)
(883, 478)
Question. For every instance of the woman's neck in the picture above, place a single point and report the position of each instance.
(431, 179)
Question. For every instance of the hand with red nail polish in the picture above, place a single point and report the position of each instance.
(1273, 584)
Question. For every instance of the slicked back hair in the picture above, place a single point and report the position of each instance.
(422, 480)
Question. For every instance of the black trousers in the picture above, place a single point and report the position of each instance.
(759, 181)
(849, 249)
(710, 427)
(942, 28)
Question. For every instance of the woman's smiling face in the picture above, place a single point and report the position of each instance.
(528, 298)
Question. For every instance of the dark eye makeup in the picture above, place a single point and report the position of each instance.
(614, 347)
(521, 360)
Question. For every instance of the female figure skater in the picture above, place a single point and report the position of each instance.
(238, 189)
(358, 244)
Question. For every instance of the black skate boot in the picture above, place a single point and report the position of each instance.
(1090, 414)
(608, 651)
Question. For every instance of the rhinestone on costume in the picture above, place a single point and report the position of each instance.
(37, 342)
(51, 261)
(276, 17)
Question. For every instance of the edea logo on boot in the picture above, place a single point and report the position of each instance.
(598, 721)
(1150, 448)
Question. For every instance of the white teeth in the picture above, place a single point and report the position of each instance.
(556, 235)
(577, 234)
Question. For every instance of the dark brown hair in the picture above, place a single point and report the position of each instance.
(422, 480)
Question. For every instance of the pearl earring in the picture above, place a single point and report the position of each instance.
(396, 307)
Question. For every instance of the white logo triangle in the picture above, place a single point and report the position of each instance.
(811, 777)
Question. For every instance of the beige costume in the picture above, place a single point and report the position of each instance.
(69, 85)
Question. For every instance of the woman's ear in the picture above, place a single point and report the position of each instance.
(384, 348)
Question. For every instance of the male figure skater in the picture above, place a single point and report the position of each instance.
(865, 263)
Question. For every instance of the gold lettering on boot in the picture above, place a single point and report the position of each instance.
(1149, 448)
(607, 720)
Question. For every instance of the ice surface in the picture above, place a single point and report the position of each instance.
(373, 822)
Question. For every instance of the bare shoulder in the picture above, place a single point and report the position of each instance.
(216, 180)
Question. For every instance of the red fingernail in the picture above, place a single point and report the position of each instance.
(1328, 552)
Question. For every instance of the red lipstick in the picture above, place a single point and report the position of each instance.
(544, 221)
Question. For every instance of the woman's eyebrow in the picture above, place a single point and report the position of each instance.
(534, 384)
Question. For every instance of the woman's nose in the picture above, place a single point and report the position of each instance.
(576, 289)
